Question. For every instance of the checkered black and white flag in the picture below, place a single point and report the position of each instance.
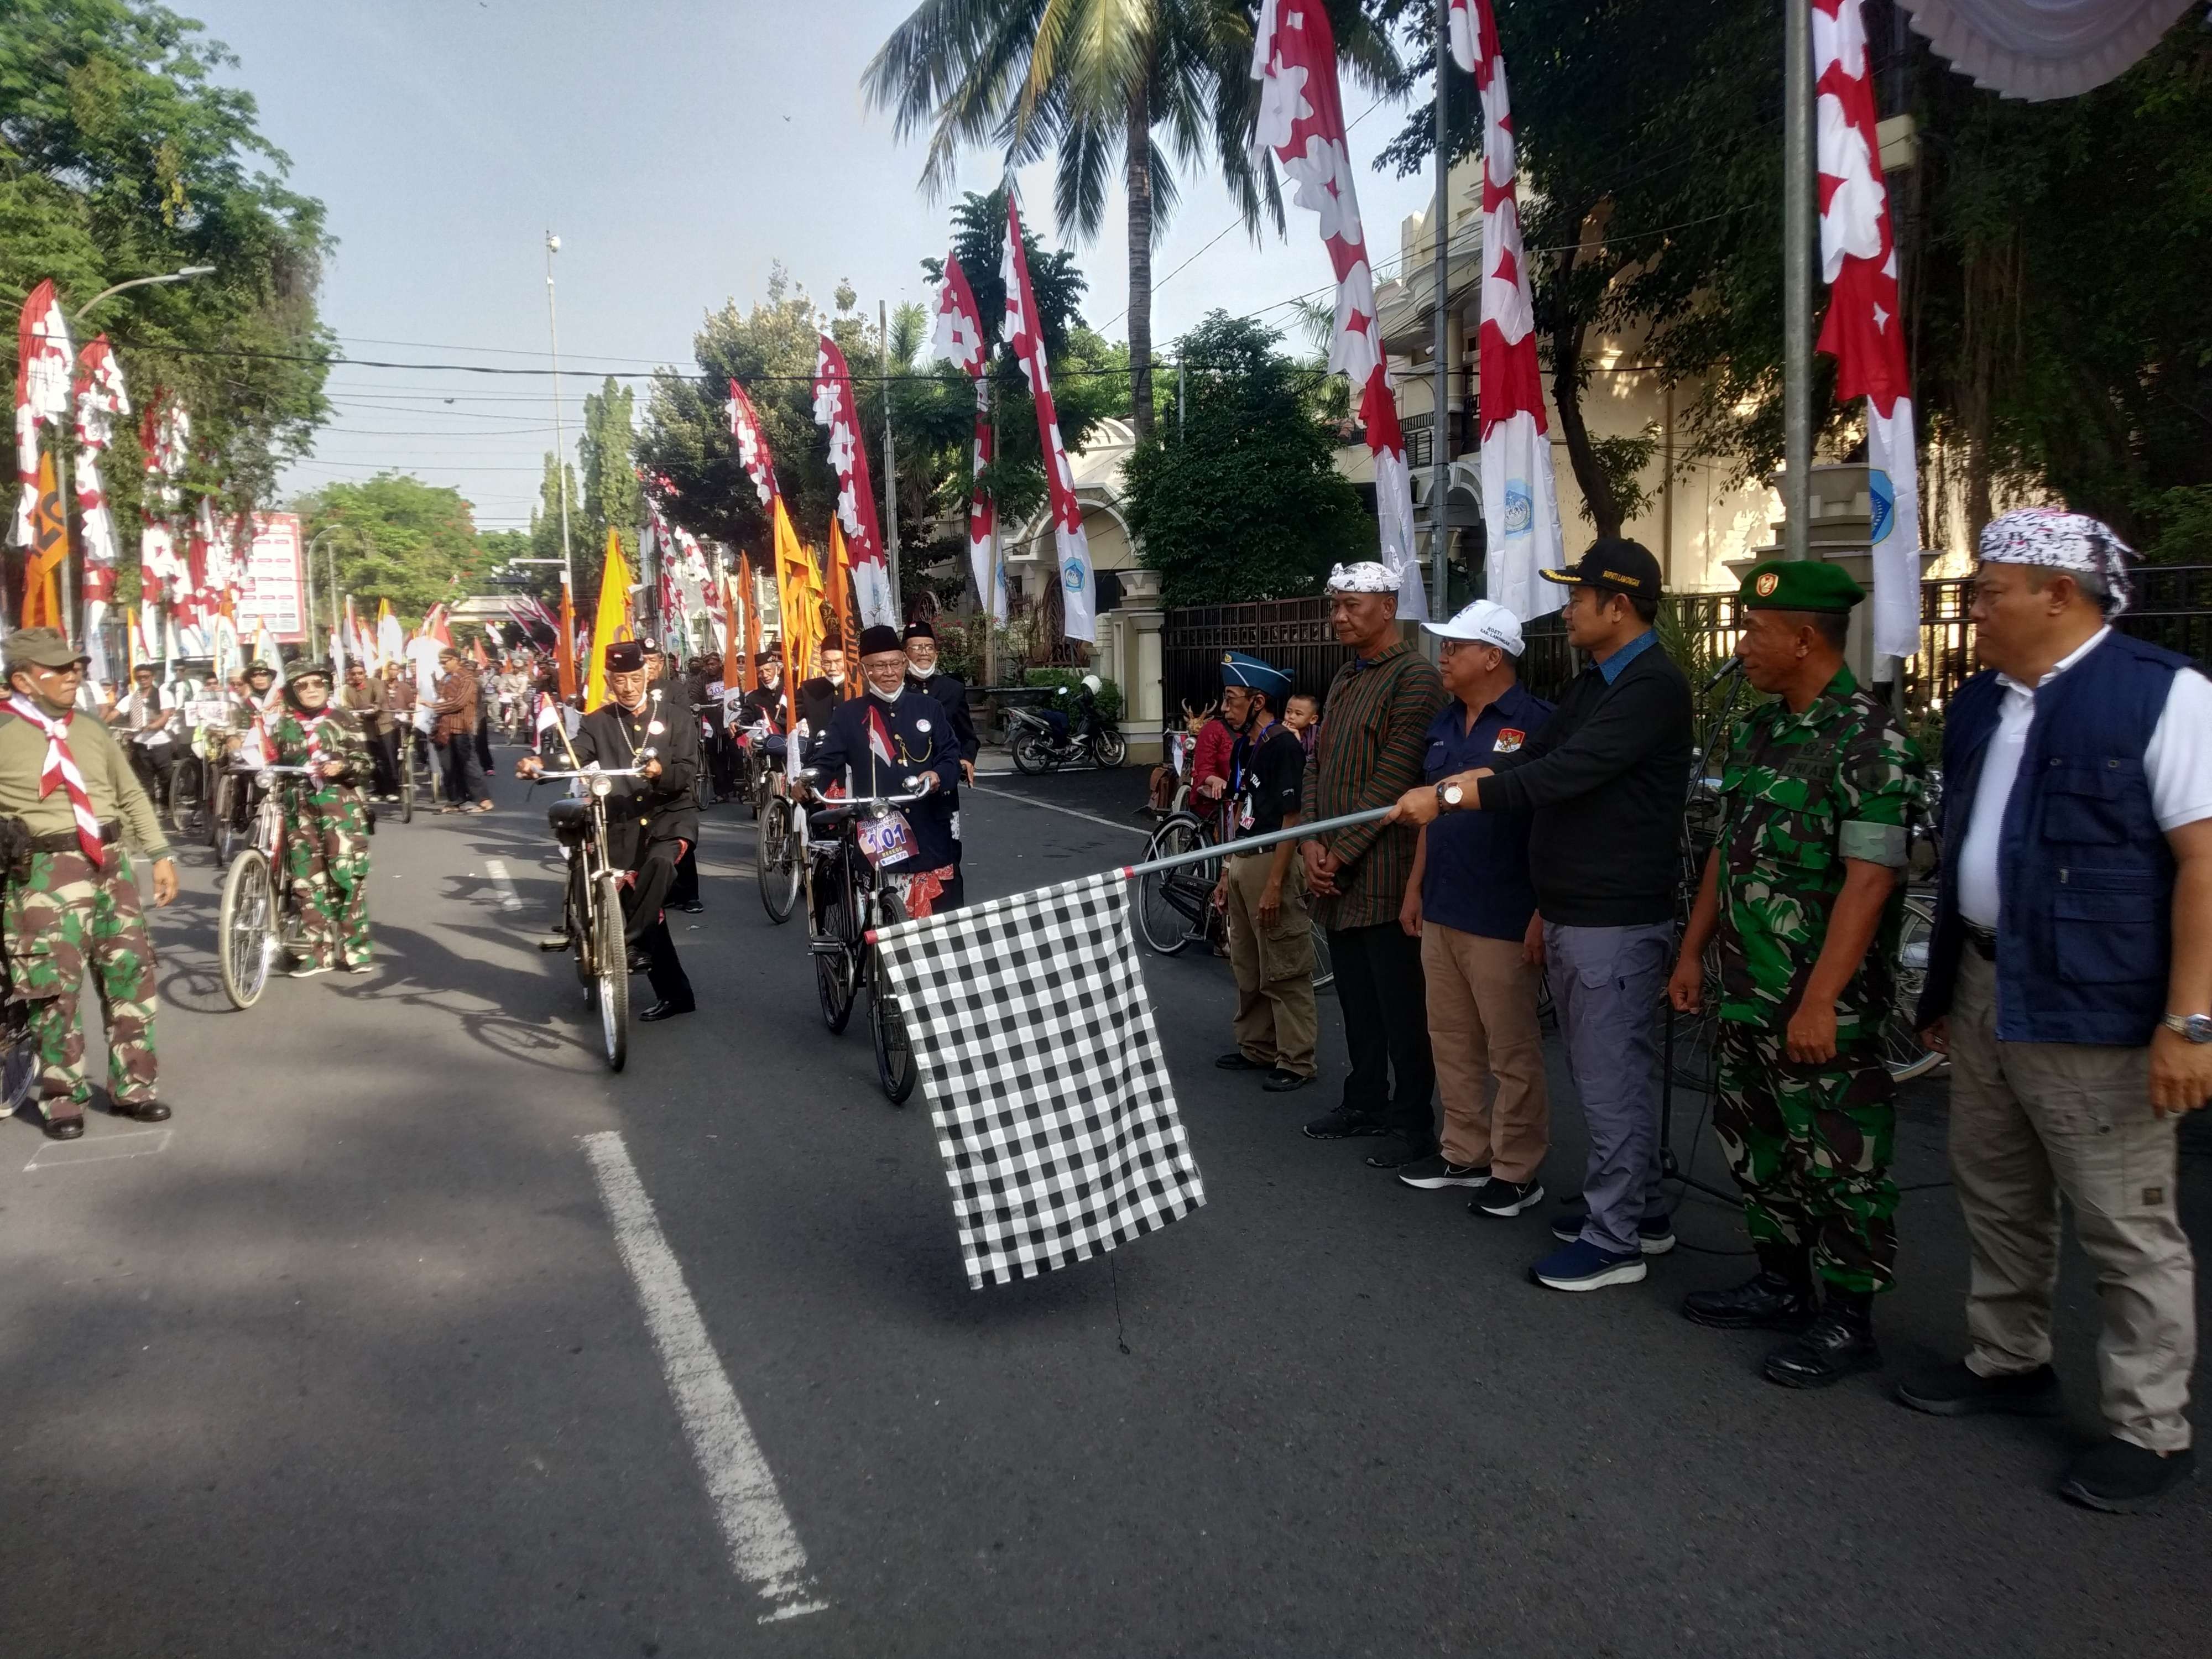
(1053, 1111)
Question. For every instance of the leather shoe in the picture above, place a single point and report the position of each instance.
(639, 962)
(1839, 1342)
(666, 1010)
(65, 1129)
(1764, 1301)
(1238, 1060)
(145, 1111)
(692, 907)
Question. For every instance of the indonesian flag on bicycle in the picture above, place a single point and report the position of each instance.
(880, 736)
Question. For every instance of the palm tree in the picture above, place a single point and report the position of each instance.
(1090, 80)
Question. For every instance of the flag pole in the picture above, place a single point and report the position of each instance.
(1440, 462)
(1798, 229)
(1253, 843)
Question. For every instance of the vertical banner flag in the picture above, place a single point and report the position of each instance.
(612, 622)
(751, 439)
(1025, 337)
(961, 343)
(840, 603)
(1864, 331)
(1302, 120)
(836, 409)
(101, 401)
(1520, 495)
(164, 437)
(750, 634)
(1048, 1088)
(42, 396)
(48, 542)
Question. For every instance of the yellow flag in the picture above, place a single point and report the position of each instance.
(798, 596)
(612, 622)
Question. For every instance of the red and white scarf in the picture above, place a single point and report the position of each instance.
(60, 772)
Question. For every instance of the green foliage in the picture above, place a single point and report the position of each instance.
(121, 157)
(395, 537)
(2181, 520)
(1246, 502)
(1110, 693)
(611, 499)
(544, 541)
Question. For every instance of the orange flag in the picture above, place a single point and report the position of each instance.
(840, 601)
(751, 670)
(49, 547)
(565, 648)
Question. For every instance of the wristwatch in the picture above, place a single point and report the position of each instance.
(1450, 795)
(2191, 1028)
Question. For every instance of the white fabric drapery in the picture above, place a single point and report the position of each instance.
(2040, 49)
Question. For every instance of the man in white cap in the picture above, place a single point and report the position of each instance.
(1473, 904)
(1376, 716)
(2070, 979)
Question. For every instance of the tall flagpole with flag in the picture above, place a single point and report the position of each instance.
(962, 343)
(1025, 337)
(836, 410)
(611, 621)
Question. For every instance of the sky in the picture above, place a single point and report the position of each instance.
(678, 151)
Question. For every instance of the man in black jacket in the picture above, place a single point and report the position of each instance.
(652, 820)
(922, 675)
(818, 697)
(1606, 780)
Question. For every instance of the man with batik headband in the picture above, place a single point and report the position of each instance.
(325, 822)
(1379, 705)
(68, 799)
(2070, 979)
(651, 818)
(894, 741)
(1802, 892)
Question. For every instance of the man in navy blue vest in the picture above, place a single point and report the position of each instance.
(2071, 980)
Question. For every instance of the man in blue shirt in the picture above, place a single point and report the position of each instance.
(1473, 904)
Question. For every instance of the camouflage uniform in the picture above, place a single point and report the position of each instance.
(1809, 1144)
(326, 835)
(61, 912)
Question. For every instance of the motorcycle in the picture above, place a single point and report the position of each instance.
(1045, 739)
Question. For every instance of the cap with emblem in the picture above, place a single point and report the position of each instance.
(301, 669)
(1368, 576)
(257, 667)
(1798, 585)
(625, 657)
(1255, 674)
(875, 641)
(1485, 623)
(921, 630)
(764, 658)
(41, 647)
(1614, 564)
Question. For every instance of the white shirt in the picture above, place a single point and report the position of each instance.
(157, 701)
(2177, 762)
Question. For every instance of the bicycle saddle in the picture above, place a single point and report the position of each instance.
(568, 819)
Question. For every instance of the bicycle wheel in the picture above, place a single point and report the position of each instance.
(1109, 748)
(1171, 904)
(1032, 753)
(245, 942)
(407, 784)
(775, 859)
(19, 1059)
(1324, 973)
(835, 973)
(1901, 1048)
(611, 958)
(185, 797)
(895, 1067)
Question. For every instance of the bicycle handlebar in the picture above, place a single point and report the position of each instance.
(589, 772)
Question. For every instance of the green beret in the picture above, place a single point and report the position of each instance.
(1798, 585)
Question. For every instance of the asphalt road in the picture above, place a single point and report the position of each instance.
(347, 1359)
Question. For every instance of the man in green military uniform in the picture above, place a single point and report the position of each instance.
(1802, 895)
(68, 798)
(325, 822)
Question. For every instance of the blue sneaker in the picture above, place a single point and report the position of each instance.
(1581, 1267)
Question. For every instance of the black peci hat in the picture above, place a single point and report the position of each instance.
(875, 641)
(625, 657)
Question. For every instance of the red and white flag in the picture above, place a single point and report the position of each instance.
(42, 394)
(100, 402)
(1025, 337)
(752, 445)
(1301, 121)
(1864, 331)
(836, 409)
(1519, 494)
(961, 341)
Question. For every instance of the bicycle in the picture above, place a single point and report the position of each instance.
(414, 759)
(258, 920)
(591, 910)
(779, 843)
(850, 896)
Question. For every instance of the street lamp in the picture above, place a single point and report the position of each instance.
(182, 275)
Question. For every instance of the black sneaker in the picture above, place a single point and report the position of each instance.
(1282, 1082)
(2120, 1477)
(1236, 1060)
(1434, 1172)
(1342, 1123)
(1396, 1151)
(1835, 1345)
(1503, 1198)
(1957, 1390)
(1766, 1301)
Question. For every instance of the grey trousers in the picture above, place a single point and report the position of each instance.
(1606, 984)
(2030, 1122)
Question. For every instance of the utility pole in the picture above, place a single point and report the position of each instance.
(560, 438)
(890, 470)
(1440, 462)
(1797, 232)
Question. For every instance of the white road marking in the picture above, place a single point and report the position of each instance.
(764, 1549)
(137, 1143)
(1047, 806)
(509, 898)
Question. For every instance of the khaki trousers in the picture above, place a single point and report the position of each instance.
(1277, 1024)
(1483, 1024)
(2032, 1122)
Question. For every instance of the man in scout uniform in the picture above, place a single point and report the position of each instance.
(325, 822)
(1263, 892)
(1802, 893)
(71, 895)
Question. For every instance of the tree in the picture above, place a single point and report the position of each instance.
(1084, 81)
(121, 157)
(612, 498)
(1246, 502)
(544, 539)
(398, 539)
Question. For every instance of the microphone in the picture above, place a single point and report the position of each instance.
(1733, 665)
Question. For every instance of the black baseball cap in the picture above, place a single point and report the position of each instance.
(1616, 564)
